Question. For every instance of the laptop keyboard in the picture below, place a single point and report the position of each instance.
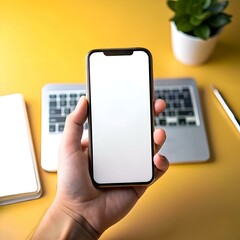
(61, 103)
(180, 110)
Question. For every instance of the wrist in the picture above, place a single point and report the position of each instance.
(61, 222)
(80, 225)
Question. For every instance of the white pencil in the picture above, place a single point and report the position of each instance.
(226, 107)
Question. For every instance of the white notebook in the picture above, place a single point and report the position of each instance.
(19, 179)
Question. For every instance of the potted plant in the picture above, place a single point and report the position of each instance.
(195, 27)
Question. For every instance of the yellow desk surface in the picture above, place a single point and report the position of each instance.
(47, 41)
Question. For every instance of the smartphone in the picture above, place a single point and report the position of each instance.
(120, 95)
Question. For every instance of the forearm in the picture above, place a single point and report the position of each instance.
(60, 223)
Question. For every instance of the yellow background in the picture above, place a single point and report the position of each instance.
(47, 41)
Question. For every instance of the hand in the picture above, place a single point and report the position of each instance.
(79, 210)
(100, 207)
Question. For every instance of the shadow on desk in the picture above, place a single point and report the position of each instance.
(224, 53)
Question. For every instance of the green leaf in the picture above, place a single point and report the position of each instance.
(202, 32)
(181, 6)
(218, 7)
(200, 17)
(207, 3)
(183, 24)
(172, 5)
(195, 21)
(194, 7)
(220, 20)
(203, 16)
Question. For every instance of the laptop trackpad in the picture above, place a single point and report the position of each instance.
(184, 146)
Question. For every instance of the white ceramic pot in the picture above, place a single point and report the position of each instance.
(191, 50)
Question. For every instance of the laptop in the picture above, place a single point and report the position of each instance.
(182, 120)
(58, 100)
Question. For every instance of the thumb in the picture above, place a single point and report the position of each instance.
(73, 129)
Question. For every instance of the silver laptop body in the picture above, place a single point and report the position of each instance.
(186, 135)
(182, 120)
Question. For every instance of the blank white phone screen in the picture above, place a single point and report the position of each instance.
(121, 118)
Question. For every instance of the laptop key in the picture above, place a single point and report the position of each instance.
(52, 104)
(57, 119)
(67, 111)
(182, 121)
(163, 122)
(185, 113)
(52, 128)
(60, 127)
(63, 103)
(55, 111)
(192, 123)
(52, 96)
